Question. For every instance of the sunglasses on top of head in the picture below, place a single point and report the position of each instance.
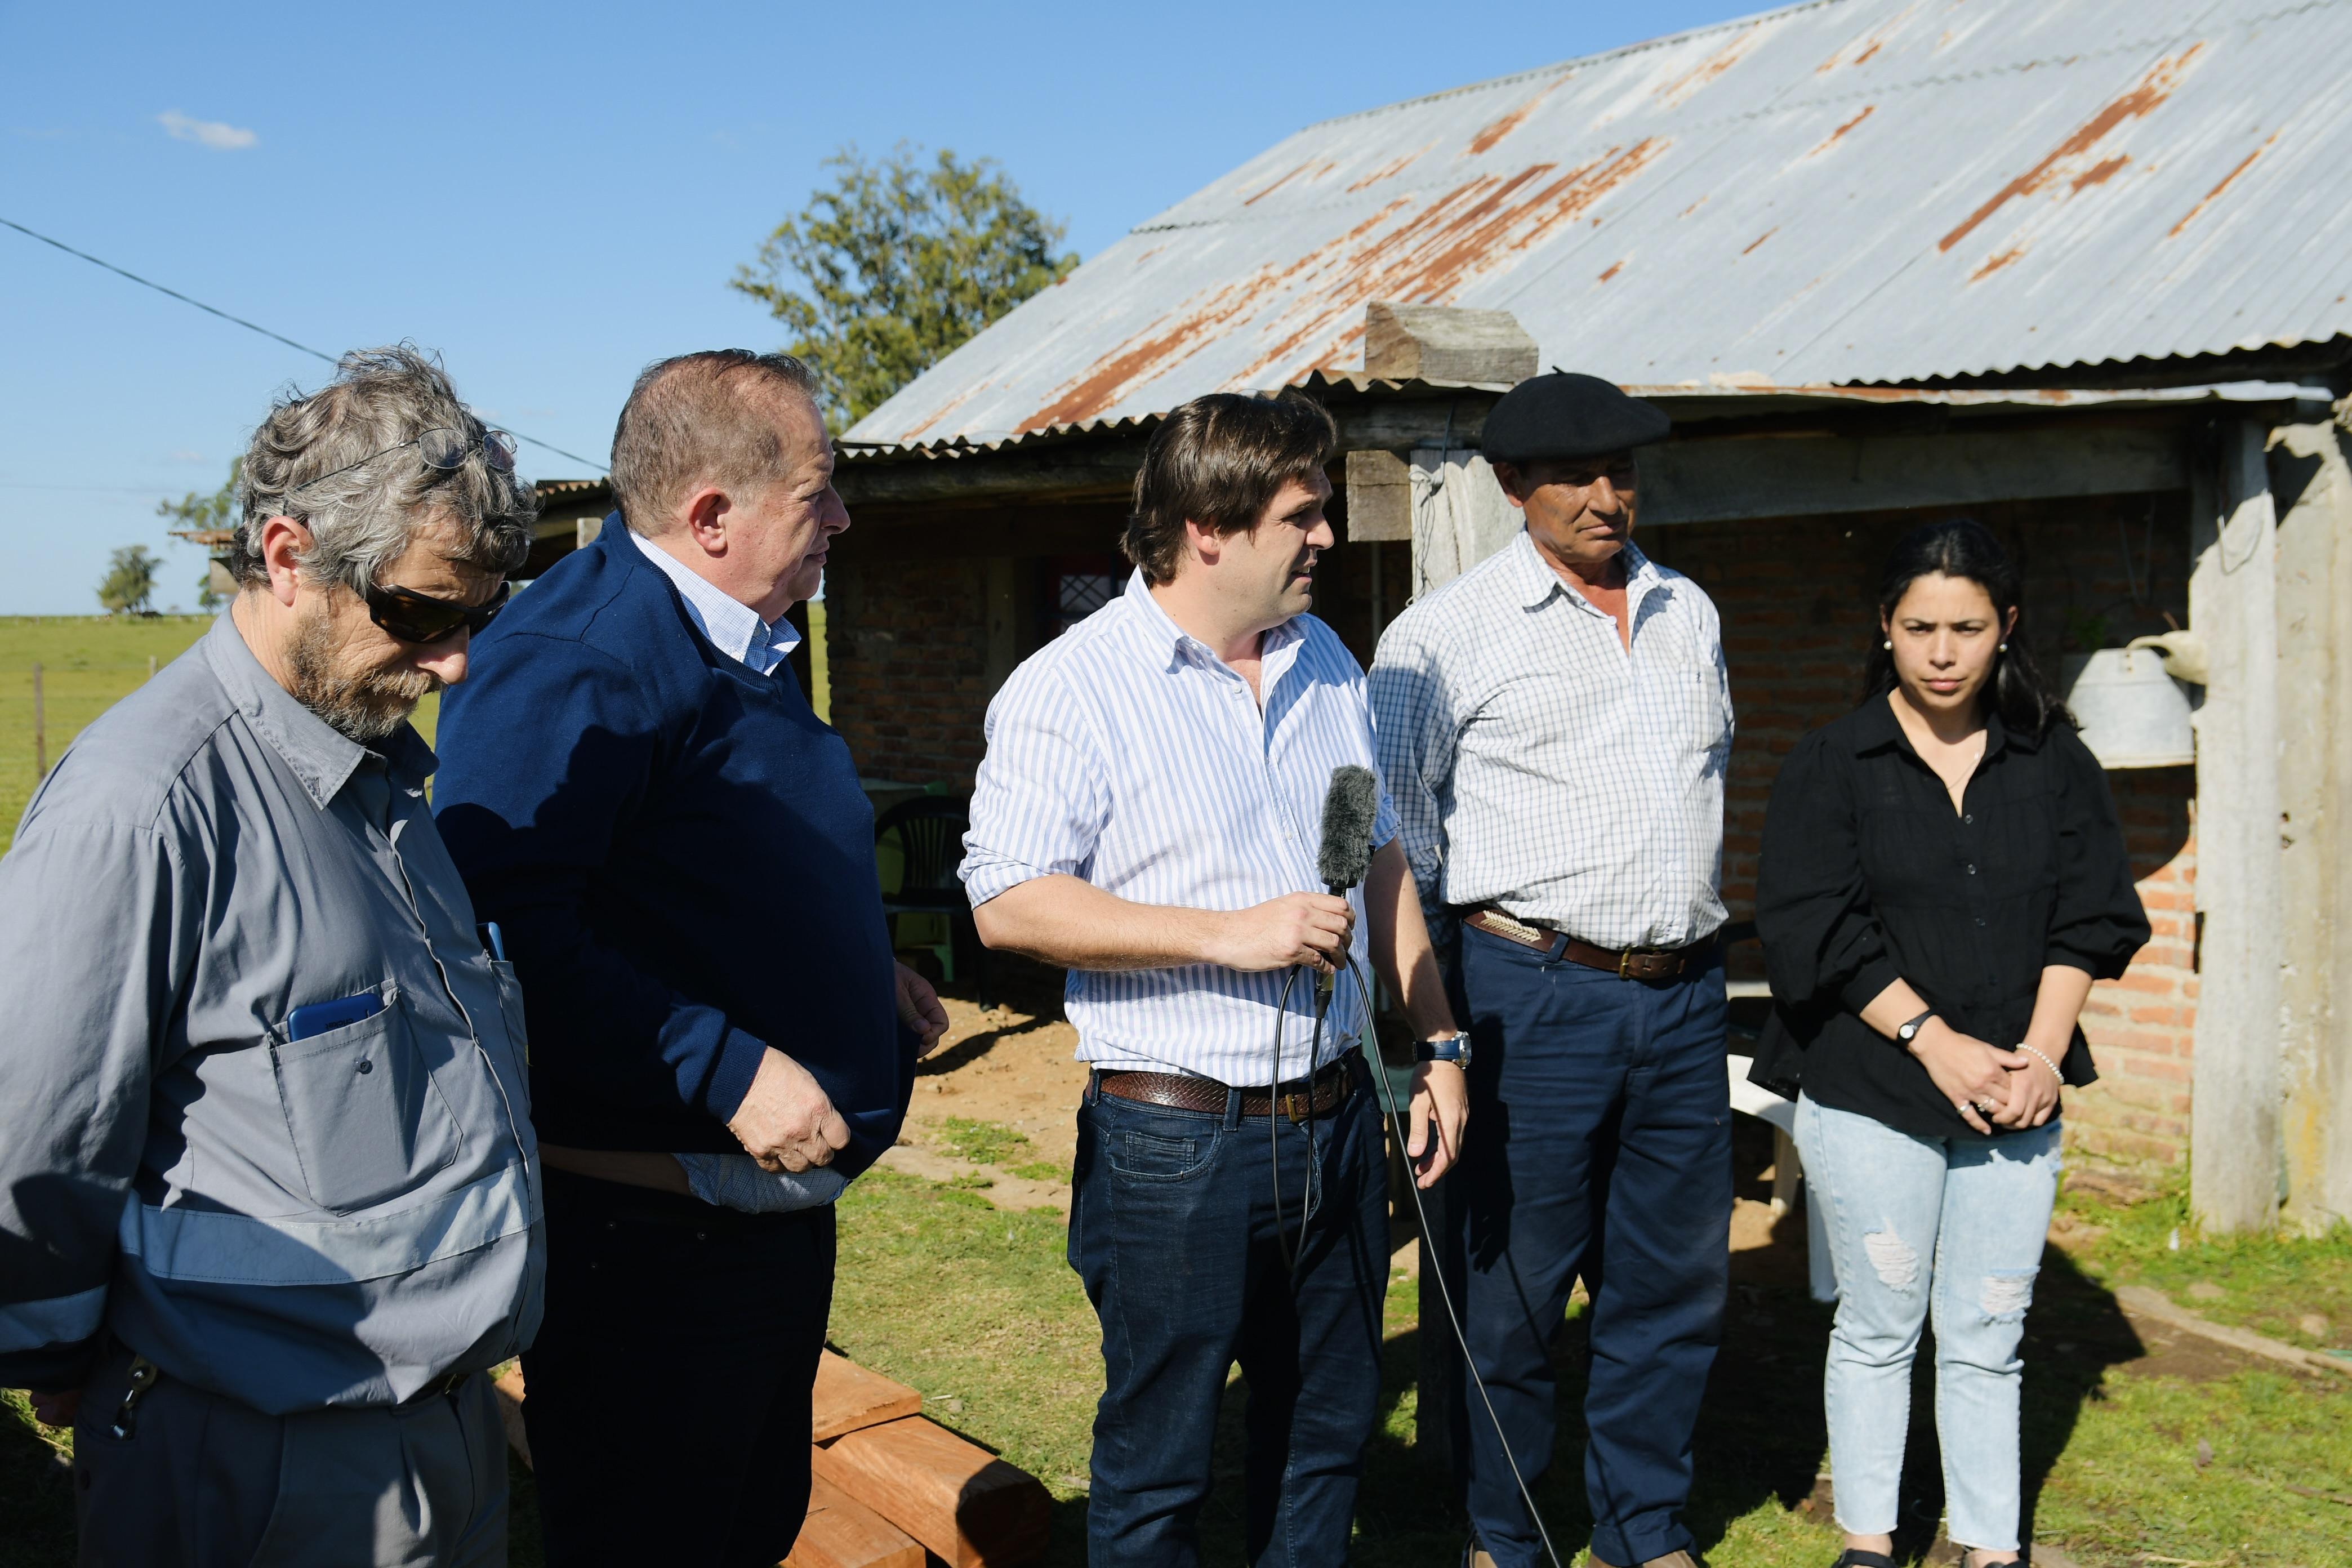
(416, 617)
(443, 451)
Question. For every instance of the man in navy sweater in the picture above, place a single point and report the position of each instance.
(678, 858)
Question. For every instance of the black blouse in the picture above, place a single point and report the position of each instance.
(1869, 876)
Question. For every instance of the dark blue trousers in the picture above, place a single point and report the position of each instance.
(707, 1325)
(1600, 1144)
(1172, 1227)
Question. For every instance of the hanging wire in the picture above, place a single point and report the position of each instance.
(249, 326)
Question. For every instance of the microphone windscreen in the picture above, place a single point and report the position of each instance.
(1350, 811)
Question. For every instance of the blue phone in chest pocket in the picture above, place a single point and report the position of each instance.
(320, 1016)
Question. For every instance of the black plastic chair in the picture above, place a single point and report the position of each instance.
(931, 829)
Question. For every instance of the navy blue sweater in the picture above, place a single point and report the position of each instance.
(681, 861)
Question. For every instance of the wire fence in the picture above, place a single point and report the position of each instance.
(40, 715)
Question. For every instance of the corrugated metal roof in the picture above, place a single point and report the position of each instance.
(1844, 191)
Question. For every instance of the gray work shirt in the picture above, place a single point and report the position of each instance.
(332, 1220)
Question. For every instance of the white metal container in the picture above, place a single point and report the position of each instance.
(2133, 714)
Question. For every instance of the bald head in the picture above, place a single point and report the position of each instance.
(724, 418)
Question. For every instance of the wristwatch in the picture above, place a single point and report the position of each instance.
(1455, 1049)
(1906, 1033)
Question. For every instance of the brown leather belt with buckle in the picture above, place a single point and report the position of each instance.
(1298, 1099)
(1626, 963)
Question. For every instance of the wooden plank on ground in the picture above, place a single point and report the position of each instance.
(842, 1532)
(509, 1387)
(849, 1396)
(970, 1508)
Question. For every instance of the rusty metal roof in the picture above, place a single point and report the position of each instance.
(1838, 192)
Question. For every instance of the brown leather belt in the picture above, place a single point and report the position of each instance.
(1626, 963)
(1298, 1099)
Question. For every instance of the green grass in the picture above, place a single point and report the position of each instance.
(88, 663)
(984, 1143)
(2272, 1283)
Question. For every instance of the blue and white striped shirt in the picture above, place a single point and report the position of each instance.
(1128, 754)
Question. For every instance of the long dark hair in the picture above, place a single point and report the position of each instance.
(1963, 547)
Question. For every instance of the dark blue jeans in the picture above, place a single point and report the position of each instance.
(1600, 1143)
(1173, 1229)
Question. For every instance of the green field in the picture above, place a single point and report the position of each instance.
(88, 663)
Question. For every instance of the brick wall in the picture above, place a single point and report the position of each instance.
(1797, 598)
(907, 640)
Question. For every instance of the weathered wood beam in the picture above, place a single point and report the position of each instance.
(1380, 498)
(950, 532)
(2233, 607)
(1446, 343)
(1721, 480)
(1087, 466)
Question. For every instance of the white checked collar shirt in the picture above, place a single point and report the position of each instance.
(1128, 754)
(1540, 766)
(732, 626)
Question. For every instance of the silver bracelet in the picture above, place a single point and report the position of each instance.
(2045, 1061)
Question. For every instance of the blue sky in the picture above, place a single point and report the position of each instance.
(552, 196)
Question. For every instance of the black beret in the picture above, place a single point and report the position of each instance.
(1565, 416)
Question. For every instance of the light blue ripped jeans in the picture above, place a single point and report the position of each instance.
(1951, 1226)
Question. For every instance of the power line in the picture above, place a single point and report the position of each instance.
(250, 326)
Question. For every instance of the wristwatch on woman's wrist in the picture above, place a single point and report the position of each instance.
(1455, 1049)
(1906, 1033)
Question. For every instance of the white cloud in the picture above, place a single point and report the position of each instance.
(187, 455)
(218, 135)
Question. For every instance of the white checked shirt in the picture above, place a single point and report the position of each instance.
(1539, 766)
(732, 626)
(1128, 754)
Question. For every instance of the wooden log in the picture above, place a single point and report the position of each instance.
(1446, 343)
(969, 1507)
(842, 1532)
(849, 1398)
(509, 1388)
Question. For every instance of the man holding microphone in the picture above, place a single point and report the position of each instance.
(1147, 816)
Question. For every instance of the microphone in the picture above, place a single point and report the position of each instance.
(1349, 812)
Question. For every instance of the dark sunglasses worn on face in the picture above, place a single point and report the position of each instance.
(443, 450)
(417, 617)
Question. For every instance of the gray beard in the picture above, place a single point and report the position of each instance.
(365, 707)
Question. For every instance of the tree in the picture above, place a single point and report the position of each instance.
(882, 275)
(130, 581)
(206, 520)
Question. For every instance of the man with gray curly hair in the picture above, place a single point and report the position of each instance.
(269, 1200)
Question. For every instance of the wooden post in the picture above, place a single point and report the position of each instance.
(2234, 605)
(151, 666)
(2311, 478)
(40, 729)
(1001, 591)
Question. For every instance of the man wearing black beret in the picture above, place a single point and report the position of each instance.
(1554, 727)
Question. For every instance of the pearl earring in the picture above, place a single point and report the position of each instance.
(2004, 647)
(1888, 644)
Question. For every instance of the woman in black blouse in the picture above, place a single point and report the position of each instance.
(1943, 878)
